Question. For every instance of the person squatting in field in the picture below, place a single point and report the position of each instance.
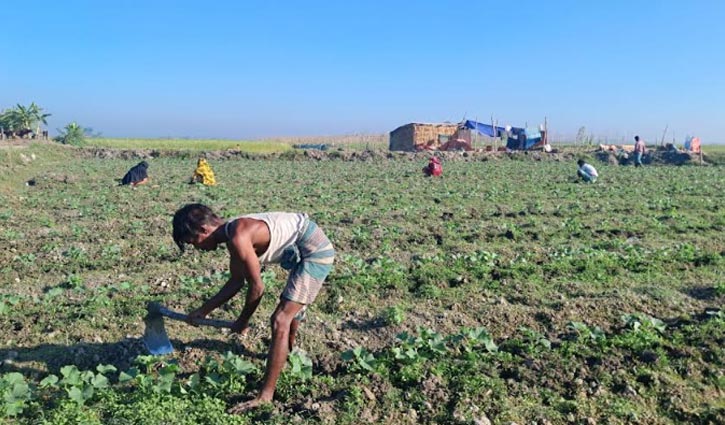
(289, 239)
(434, 167)
(203, 173)
(586, 172)
(137, 175)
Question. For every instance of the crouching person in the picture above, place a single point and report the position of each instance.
(289, 239)
(434, 167)
(586, 172)
(136, 175)
(203, 173)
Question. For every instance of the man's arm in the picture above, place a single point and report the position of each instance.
(229, 290)
(243, 265)
(247, 266)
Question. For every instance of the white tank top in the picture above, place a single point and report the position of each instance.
(284, 229)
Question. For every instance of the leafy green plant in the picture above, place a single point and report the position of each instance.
(394, 315)
(300, 365)
(159, 376)
(470, 340)
(643, 332)
(529, 342)
(7, 302)
(81, 385)
(72, 134)
(642, 322)
(359, 360)
(16, 393)
(586, 333)
(227, 374)
(75, 282)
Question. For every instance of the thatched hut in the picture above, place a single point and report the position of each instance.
(418, 136)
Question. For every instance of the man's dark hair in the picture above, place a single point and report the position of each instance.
(188, 222)
(580, 162)
(636, 138)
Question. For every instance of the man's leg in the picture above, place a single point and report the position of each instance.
(293, 332)
(278, 350)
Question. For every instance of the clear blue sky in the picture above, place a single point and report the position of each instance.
(253, 69)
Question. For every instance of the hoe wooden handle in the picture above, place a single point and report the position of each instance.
(175, 315)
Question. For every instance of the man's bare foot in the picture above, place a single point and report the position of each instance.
(247, 405)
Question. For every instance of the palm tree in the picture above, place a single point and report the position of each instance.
(72, 134)
(3, 124)
(21, 119)
(25, 117)
(38, 116)
(10, 121)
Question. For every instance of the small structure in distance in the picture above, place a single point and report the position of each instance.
(450, 137)
(420, 136)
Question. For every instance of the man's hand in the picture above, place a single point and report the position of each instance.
(199, 313)
(241, 327)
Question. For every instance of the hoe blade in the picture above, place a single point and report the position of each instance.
(155, 337)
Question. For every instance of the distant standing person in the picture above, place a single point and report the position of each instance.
(586, 172)
(136, 175)
(639, 150)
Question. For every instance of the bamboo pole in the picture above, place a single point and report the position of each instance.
(476, 135)
(496, 140)
(662, 141)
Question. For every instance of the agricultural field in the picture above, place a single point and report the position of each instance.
(280, 144)
(503, 292)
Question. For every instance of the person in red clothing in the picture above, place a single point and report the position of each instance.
(434, 167)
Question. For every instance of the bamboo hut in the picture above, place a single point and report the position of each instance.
(420, 136)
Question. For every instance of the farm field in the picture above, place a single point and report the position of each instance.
(503, 292)
(191, 144)
(280, 144)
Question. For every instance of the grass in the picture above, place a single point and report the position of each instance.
(191, 144)
(272, 145)
(523, 295)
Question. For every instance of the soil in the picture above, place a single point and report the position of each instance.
(652, 157)
(316, 155)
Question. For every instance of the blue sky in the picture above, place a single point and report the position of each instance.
(254, 69)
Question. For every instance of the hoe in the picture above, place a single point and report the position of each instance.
(155, 337)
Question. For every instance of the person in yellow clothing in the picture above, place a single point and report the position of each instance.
(203, 173)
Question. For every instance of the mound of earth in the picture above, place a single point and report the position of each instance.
(652, 157)
(318, 155)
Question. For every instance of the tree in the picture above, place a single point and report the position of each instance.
(10, 121)
(581, 135)
(38, 116)
(20, 120)
(72, 134)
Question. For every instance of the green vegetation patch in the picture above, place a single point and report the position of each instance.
(503, 291)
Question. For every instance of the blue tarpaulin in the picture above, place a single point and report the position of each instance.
(518, 138)
(485, 129)
(523, 138)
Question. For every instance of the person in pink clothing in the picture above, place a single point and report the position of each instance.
(639, 150)
(434, 167)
